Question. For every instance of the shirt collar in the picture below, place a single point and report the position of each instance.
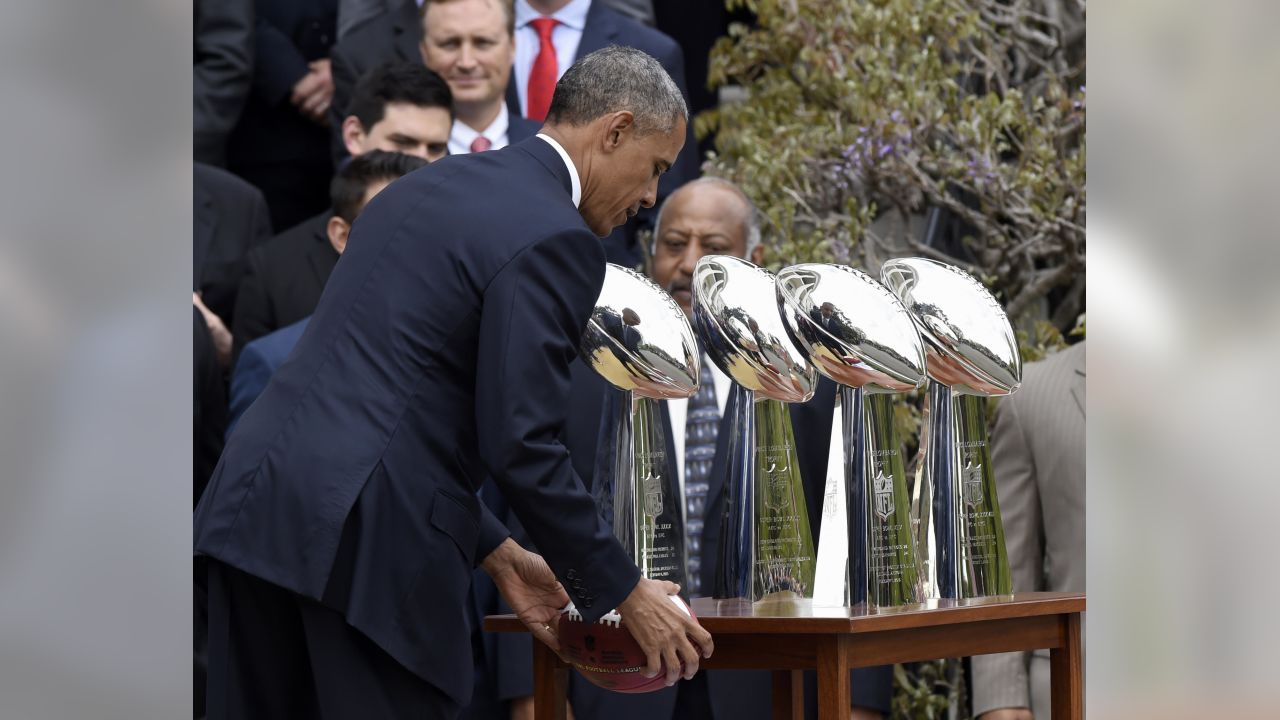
(574, 182)
(573, 15)
(462, 134)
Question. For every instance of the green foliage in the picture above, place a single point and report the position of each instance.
(925, 690)
(859, 116)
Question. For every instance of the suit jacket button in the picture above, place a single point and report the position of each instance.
(572, 574)
(581, 594)
(577, 582)
(586, 603)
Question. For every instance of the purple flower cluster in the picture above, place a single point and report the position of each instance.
(978, 168)
(883, 139)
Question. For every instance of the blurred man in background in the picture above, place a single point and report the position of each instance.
(471, 43)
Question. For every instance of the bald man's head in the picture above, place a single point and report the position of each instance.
(709, 216)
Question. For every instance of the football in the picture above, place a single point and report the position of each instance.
(606, 654)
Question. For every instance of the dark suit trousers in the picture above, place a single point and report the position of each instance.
(274, 654)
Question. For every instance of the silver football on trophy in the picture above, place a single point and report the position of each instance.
(735, 310)
(854, 330)
(969, 341)
(639, 339)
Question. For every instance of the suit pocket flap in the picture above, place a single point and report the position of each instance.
(453, 519)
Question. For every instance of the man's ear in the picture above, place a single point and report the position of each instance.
(422, 50)
(757, 255)
(352, 135)
(338, 229)
(617, 127)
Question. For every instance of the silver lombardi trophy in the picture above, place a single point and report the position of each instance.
(641, 342)
(766, 542)
(972, 354)
(858, 334)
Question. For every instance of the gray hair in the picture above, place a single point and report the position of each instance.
(752, 229)
(618, 78)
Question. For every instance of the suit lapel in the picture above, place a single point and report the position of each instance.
(206, 221)
(407, 32)
(598, 32)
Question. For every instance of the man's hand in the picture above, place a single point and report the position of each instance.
(529, 587)
(217, 330)
(663, 631)
(1008, 714)
(313, 93)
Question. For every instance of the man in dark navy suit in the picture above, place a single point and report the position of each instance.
(709, 216)
(342, 523)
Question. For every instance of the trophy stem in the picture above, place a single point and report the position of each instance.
(855, 429)
(922, 505)
(785, 558)
(985, 564)
(894, 576)
(737, 536)
(944, 530)
(636, 490)
(836, 582)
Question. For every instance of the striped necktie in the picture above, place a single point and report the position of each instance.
(701, 425)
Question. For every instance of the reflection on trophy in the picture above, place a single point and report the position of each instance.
(641, 342)
(766, 542)
(972, 354)
(857, 333)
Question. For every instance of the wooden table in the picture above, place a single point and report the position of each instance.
(789, 637)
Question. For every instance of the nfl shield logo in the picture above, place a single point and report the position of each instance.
(972, 483)
(778, 497)
(652, 495)
(884, 496)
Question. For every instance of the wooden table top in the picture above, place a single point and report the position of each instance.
(802, 616)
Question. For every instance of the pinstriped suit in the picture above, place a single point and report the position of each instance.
(1038, 453)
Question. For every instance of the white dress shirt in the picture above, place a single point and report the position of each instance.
(461, 135)
(574, 181)
(565, 37)
(679, 410)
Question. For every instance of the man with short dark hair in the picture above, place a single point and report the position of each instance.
(400, 107)
(342, 523)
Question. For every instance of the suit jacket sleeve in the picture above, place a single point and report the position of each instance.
(223, 71)
(253, 317)
(1000, 681)
(279, 65)
(534, 311)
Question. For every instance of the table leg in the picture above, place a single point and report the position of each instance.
(1066, 672)
(833, 677)
(788, 694)
(550, 683)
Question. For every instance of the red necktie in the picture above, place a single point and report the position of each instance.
(480, 144)
(542, 79)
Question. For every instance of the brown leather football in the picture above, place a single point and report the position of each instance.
(606, 654)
